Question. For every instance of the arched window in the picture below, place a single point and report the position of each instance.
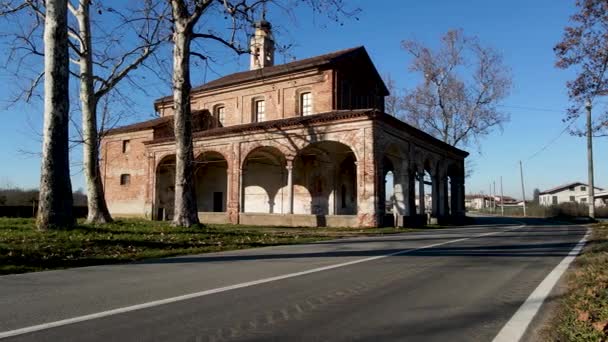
(306, 103)
(219, 112)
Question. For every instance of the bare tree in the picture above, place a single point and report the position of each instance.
(584, 47)
(393, 103)
(463, 83)
(241, 15)
(101, 66)
(55, 201)
(90, 94)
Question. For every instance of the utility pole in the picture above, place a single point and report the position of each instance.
(502, 199)
(523, 190)
(591, 187)
(491, 199)
(494, 191)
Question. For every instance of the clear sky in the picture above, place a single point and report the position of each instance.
(524, 31)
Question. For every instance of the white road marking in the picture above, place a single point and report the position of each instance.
(517, 325)
(151, 304)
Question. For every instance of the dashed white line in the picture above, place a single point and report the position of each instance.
(170, 300)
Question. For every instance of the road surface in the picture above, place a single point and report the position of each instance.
(456, 284)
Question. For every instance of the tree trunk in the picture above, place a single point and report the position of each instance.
(96, 203)
(185, 211)
(55, 207)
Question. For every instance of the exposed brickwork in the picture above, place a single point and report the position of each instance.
(126, 199)
(369, 137)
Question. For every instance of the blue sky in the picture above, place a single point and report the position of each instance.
(523, 31)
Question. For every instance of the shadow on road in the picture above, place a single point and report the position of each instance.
(503, 245)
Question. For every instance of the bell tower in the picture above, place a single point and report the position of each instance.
(262, 45)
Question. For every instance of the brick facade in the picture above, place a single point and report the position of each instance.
(328, 168)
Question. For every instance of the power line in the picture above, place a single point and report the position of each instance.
(551, 142)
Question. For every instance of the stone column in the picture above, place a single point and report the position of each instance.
(453, 195)
(150, 202)
(457, 196)
(400, 191)
(233, 209)
(435, 196)
(461, 199)
(241, 190)
(289, 168)
(367, 182)
(443, 204)
(421, 199)
(410, 209)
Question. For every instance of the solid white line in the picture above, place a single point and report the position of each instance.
(517, 325)
(101, 314)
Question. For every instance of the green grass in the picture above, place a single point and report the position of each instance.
(583, 312)
(24, 249)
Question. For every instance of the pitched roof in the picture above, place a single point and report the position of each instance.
(320, 118)
(564, 186)
(139, 126)
(276, 70)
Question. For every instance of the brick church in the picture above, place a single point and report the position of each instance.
(305, 143)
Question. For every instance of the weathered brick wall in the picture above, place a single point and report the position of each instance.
(127, 199)
(281, 95)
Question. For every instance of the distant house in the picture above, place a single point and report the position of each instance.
(477, 201)
(572, 192)
(480, 201)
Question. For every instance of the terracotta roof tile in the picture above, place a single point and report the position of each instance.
(251, 75)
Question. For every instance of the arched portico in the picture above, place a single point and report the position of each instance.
(211, 179)
(264, 181)
(325, 179)
(165, 188)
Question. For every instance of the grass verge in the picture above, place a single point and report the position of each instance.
(582, 314)
(24, 249)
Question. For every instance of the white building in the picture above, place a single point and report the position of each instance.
(477, 202)
(572, 192)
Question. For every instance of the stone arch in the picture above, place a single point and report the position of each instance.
(280, 149)
(264, 179)
(164, 201)
(161, 157)
(325, 179)
(315, 138)
(225, 153)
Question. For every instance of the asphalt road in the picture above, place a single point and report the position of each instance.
(463, 285)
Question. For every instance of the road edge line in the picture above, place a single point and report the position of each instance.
(516, 327)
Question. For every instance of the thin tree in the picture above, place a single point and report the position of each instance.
(241, 15)
(393, 102)
(584, 48)
(101, 66)
(55, 201)
(463, 82)
(90, 95)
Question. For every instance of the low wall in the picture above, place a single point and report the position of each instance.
(297, 220)
(214, 218)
